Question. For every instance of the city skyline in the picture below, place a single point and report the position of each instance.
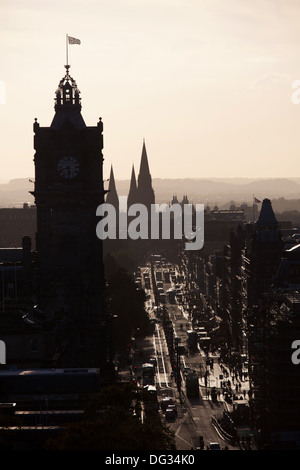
(208, 86)
(167, 305)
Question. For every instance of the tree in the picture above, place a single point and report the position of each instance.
(126, 301)
(109, 424)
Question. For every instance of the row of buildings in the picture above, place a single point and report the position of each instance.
(252, 285)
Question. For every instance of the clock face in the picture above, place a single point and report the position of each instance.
(68, 167)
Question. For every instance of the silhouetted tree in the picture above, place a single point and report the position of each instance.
(109, 424)
(126, 302)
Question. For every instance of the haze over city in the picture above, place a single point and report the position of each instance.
(207, 84)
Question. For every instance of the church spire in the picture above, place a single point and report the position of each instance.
(112, 195)
(144, 166)
(132, 195)
(145, 190)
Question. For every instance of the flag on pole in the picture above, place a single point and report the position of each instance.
(257, 201)
(73, 40)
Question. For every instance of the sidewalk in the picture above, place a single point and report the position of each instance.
(225, 381)
(239, 386)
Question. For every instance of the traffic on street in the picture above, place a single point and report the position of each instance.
(195, 390)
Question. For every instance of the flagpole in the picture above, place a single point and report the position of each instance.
(67, 48)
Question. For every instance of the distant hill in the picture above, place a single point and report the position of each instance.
(220, 191)
(16, 192)
(198, 190)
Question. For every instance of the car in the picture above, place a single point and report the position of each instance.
(165, 402)
(174, 408)
(170, 413)
(214, 446)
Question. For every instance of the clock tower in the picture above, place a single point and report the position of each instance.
(70, 277)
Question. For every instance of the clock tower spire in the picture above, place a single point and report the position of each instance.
(67, 103)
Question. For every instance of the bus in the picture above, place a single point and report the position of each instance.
(171, 296)
(147, 283)
(151, 401)
(148, 374)
(192, 340)
(192, 385)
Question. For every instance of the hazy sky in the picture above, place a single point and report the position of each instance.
(207, 83)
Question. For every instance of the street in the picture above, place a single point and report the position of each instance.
(195, 416)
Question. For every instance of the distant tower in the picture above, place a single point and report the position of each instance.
(112, 195)
(266, 224)
(184, 201)
(266, 251)
(133, 190)
(174, 200)
(145, 191)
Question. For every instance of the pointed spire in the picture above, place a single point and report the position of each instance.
(145, 191)
(112, 195)
(132, 195)
(144, 166)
